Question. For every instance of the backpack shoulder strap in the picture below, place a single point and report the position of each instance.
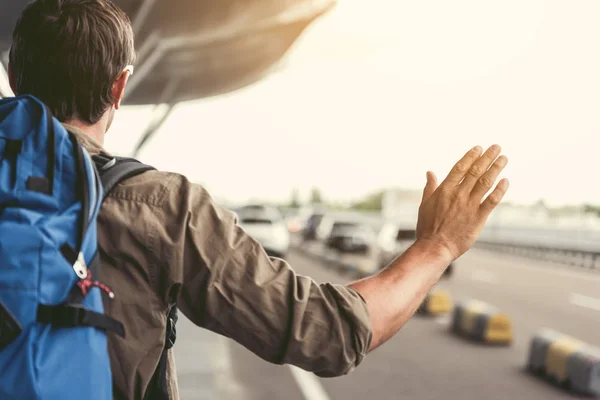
(112, 172)
(116, 170)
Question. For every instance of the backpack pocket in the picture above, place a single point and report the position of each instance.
(20, 250)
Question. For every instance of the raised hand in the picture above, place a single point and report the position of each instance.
(453, 213)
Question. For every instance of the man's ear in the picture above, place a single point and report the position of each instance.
(11, 80)
(118, 89)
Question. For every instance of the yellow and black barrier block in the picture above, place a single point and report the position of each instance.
(566, 361)
(437, 302)
(482, 322)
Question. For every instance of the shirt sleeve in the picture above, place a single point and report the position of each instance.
(223, 280)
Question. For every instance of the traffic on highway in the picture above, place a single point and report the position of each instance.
(498, 326)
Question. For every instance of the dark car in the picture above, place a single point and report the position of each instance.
(347, 236)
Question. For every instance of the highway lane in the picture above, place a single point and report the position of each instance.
(424, 361)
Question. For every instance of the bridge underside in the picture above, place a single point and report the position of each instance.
(190, 49)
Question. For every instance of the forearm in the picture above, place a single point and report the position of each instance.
(394, 295)
(286, 318)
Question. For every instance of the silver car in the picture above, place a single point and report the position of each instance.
(266, 224)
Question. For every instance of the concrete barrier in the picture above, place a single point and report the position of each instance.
(565, 360)
(482, 322)
(437, 302)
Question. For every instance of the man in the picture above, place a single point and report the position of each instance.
(164, 241)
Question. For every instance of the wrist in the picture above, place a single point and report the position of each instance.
(437, 252)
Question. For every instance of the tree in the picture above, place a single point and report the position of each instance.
(591, 209)
(295, 199)
(316, 197)
(373, 202)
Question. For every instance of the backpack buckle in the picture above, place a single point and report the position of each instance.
(80, 267)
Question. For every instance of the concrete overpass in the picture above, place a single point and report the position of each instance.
(191, 49)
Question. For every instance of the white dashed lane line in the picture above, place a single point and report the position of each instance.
(309, 384)
(481, 275)
(444, 320)
(581, 300)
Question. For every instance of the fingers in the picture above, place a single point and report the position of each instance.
(485, 183)
(430, 187)
(460, 168)
(494, 198)
(479, 168)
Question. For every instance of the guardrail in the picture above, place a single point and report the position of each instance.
(587, 259)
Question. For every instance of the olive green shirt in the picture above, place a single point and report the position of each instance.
(163, 240)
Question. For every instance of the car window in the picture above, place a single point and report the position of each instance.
(406, 234)
(342, 227)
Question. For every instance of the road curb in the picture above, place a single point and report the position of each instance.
(481, 322)
(438, 302)
(565, 361)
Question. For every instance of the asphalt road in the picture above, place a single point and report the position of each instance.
(424, 361)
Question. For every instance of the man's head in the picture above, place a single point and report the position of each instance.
(72, 55)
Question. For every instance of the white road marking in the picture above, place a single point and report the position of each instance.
(226, 386)
(483, 276)
(309, 384)
(585, 301)
(444, 320)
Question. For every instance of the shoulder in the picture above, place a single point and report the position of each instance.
(150, 187)
(171, 195)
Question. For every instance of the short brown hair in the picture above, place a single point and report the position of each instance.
(68, 53)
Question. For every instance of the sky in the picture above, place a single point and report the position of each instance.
(376, 93)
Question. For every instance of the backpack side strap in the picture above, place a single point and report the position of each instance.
(72, 315)
(158, 386)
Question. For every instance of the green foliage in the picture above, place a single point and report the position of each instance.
(591, 209)
(372, 202)
(295, 199)
(316, 197)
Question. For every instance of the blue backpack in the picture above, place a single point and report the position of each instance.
(52, 325)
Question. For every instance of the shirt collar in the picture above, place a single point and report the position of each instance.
(86, 140)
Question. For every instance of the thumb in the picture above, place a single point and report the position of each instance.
(431, 186)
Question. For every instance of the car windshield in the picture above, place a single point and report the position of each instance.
(343, 226)
(255, 221)
(351, 229)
